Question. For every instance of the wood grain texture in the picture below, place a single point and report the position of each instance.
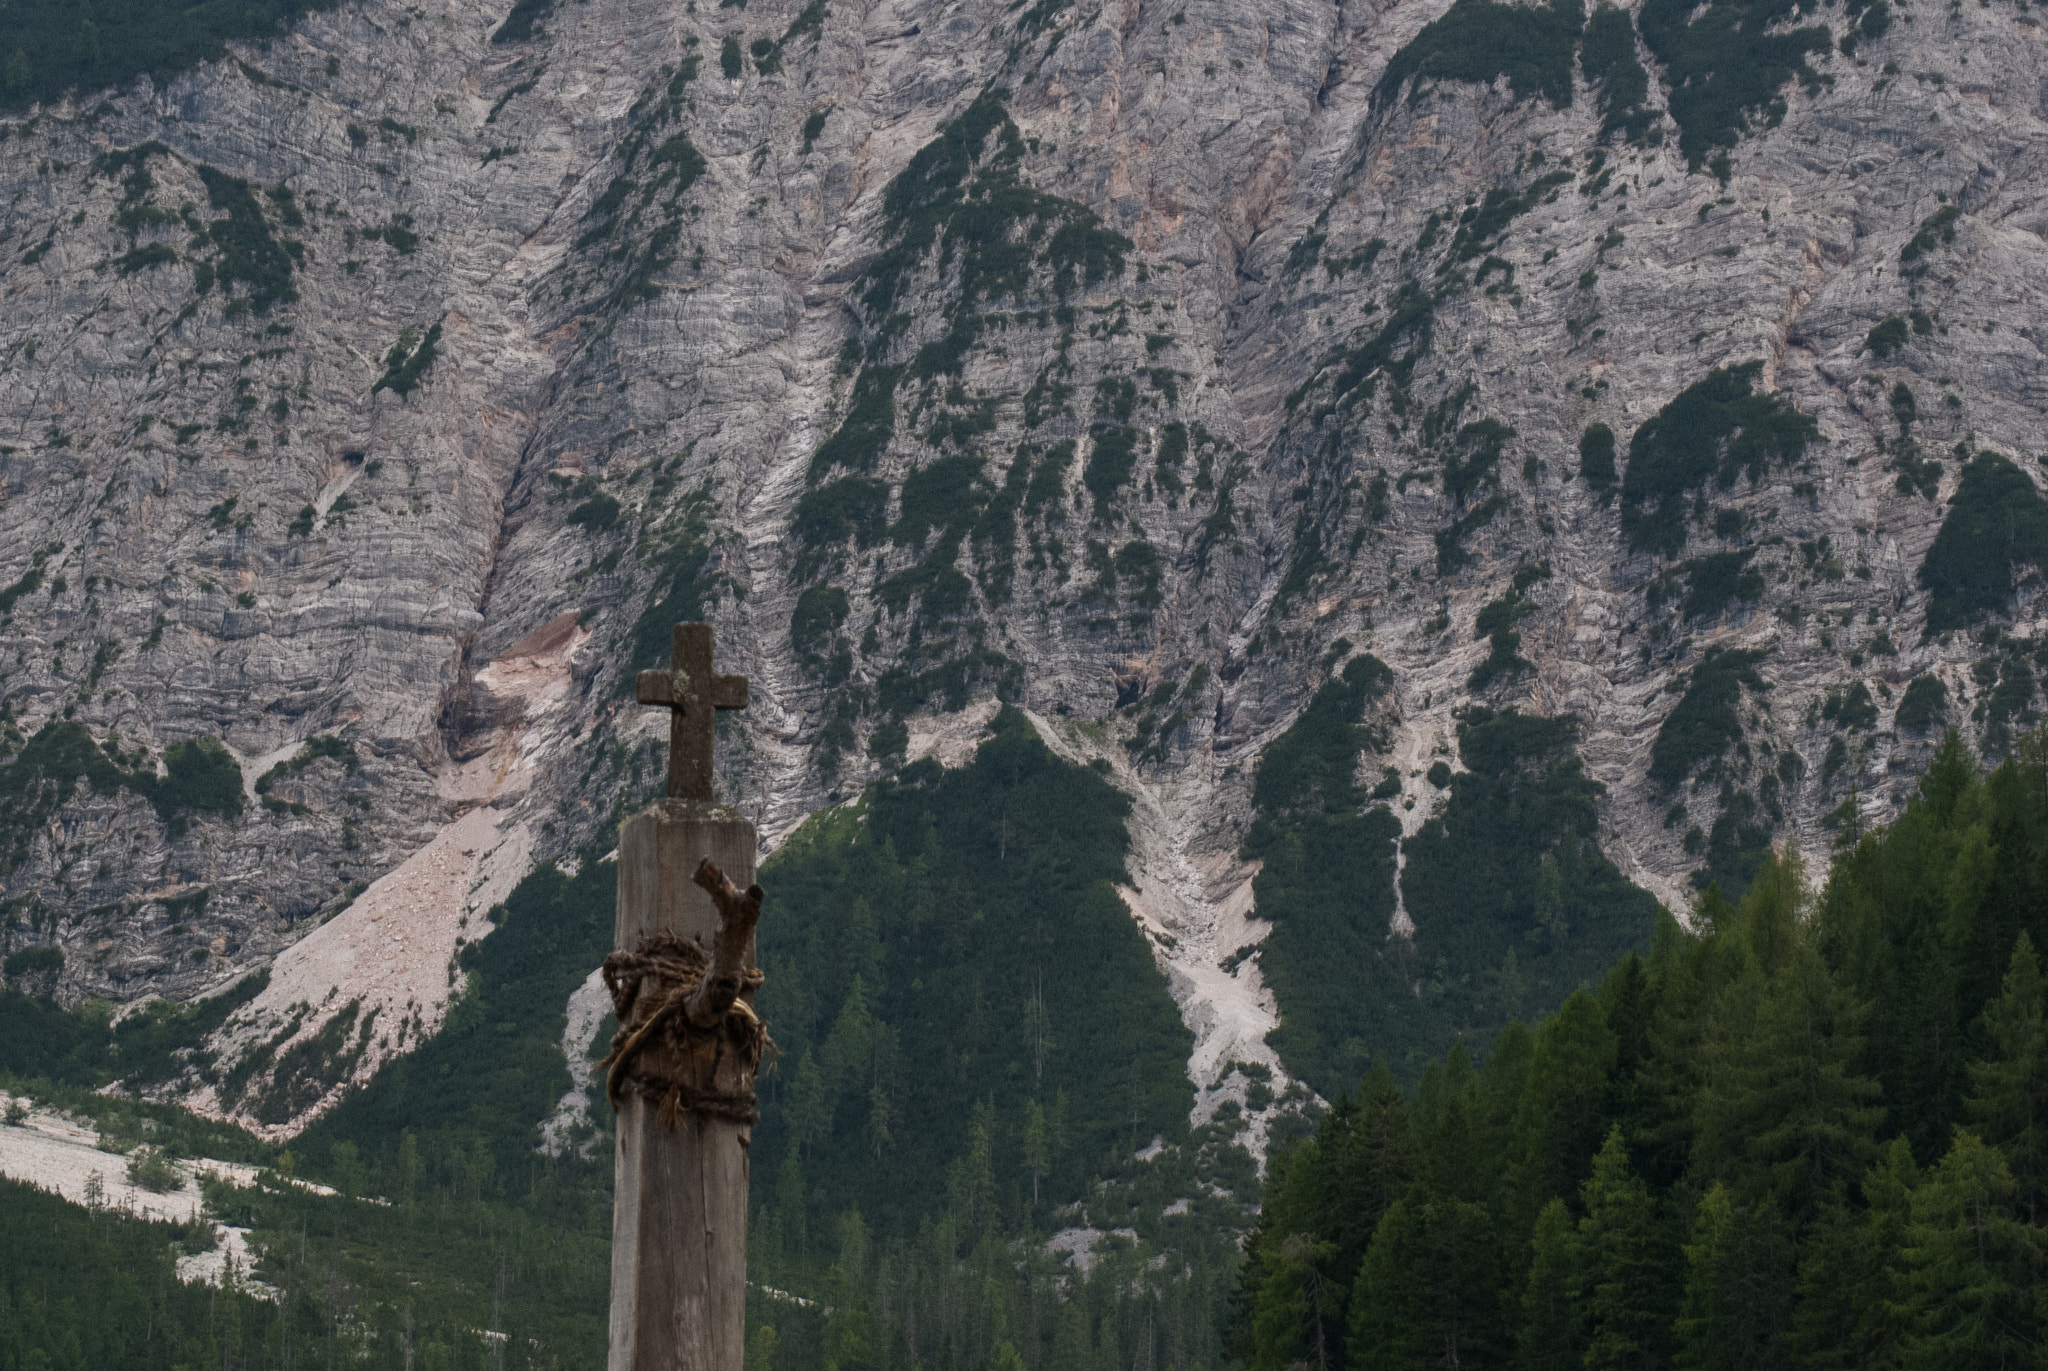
(679, 1219)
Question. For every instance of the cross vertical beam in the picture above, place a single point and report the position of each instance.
(693, 693)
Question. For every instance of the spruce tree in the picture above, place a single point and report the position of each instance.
(1846, 1315)
(1737, 1305)
(1447, 1138)
(1784, 1110)
(1972, 1268)
(2009, 1089)
(1627, 1265)
(1562, 1112)
(1552, 1336)
(1429, 1292)
(1685, 978)
(1297, 1316)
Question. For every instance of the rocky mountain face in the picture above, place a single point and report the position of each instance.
(375, 399)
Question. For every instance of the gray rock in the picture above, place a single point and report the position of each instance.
(384, 545)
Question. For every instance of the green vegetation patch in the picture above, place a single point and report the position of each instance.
(963, 205)
(58, 46)
(202, 778)
(1712, 583)
(1112, 457)
(870, 422)
(1311, 768)
(1479, 41)
(952, 954)
(1480, 225)
(1411, 319)
(1451, 553)
(1496, 623)
(1713, 430)
(953, 680)
(144, 258)
(520, 19)
(1327, 884)
(600, 513)
(946, 495)
(1728, 66)
(475, 1229)
(1512, 901)
(1801, 1131)
(99, 1288)
(1924, 706)
(856, 508)
(1596, 457)
(312, 750)
(153, 1044)
(245, 249)
(1705, 723)
(31, 580)
(969, 201)
(1514, 904)
(495, 1070)
(1608, 57)
(1887, 337)
(819, 614)
(1936, 230)
(408, 360)
(674, 553)
(654, 169)
(1850, 707)
(1996, 522)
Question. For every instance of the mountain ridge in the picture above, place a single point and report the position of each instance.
(661, 314)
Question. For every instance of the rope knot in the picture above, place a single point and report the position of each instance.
(651, 989)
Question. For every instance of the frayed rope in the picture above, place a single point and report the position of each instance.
(651, 988)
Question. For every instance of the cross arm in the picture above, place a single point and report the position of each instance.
(663, 688)
(659, 688)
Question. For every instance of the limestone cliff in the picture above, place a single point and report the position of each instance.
(374, 399)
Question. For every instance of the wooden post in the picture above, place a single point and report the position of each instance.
(679, 1217)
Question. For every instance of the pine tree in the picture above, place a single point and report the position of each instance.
(1882, 926)
(1738, 1272)
(2009, 1090)
(1626, 1264)
(1684, 975)
(1034, 1145)
(1335, 1188)
(1844, 1314)
(1372, 1162)
(1070, 1342)
(1297, 1319)
(1446, 1133)
(1562, 1112)
(1783, 1110)
(1429, 1291)
(1972, 1288)
(1552, 1334)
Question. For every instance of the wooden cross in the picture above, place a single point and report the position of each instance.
(692, 692)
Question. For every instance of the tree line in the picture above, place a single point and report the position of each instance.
(57, 47)
(1803, 1131)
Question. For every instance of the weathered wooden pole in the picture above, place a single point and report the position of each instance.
(681, 1073)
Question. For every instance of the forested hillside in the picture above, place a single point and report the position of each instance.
(948, 970)
(1807, 1133)
(977, 1053)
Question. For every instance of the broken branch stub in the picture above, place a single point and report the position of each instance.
(738, 912)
